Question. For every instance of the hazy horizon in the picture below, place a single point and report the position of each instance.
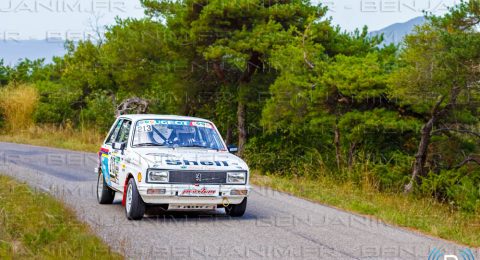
(74, 19)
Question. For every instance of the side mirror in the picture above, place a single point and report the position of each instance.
(232, 148)
(118, 146)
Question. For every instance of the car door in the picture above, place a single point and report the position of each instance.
(117, 161)
(106, 151)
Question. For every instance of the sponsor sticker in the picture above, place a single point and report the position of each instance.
(199, 191)
(201, 124)
(146, 125)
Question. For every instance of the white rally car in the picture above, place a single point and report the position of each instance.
(174, 162)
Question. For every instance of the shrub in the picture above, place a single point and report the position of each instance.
(100, 112)
(17, 104)
(394, 173)
(56, 104)
(285, 157)
(460, 188)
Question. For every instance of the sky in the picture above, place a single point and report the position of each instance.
(74, 19)
(378, 14)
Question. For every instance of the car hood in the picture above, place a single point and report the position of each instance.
(190, 159)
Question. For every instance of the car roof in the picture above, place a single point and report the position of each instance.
(136, 117)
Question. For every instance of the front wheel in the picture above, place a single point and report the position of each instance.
(105, 195)
(237, 210)
(134, 205)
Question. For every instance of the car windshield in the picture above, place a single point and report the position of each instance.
(177, 133)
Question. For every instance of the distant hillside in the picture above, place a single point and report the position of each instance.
(12, 51)
(396, 32)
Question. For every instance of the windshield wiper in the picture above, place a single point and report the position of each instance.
(198, 146)
(150, 144)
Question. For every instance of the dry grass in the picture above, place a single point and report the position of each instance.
(17, 104)
(422, 214)
(57, 136)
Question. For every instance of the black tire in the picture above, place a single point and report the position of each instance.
(105, 195)
(237, 210)
(134, 205)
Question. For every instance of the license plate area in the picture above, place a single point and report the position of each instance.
(199, 191)
(191, 207)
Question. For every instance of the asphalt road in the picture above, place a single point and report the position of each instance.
(276, 225)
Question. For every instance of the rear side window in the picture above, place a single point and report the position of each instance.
(111, 138)
(122, 136)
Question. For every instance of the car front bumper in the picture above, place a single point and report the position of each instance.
(171, 194)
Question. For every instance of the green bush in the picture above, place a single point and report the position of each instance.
(287, 156)
(394, 173)
(100, 112)
(460, 188)
(57, 103)
(465, 195)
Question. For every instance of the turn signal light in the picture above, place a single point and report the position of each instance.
(238, 192)
(156, 191)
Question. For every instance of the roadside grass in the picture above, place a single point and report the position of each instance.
(88, 140)
(422, 214)
(35, 225)
(18, 103)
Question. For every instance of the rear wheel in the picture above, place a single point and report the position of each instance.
(105, 195)
(237, 210)
(134, 205)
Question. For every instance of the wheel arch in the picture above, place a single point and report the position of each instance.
(125, 185)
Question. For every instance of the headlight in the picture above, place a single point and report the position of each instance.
(157, 176)
(236, 177)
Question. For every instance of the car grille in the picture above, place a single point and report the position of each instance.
(193, 177)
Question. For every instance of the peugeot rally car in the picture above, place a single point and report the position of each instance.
(174, 162)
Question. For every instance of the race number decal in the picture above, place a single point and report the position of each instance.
(144, 128)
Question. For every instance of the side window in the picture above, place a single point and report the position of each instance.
(114, 133)
(122, 136)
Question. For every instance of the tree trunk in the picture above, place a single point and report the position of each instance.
(422, 152)
(253, 64)
(336, 141)
(229, 136)
(351, 152)
(426, 135)
(242, 131)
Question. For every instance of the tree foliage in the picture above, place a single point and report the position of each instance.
(438, 78)
(300, 96)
